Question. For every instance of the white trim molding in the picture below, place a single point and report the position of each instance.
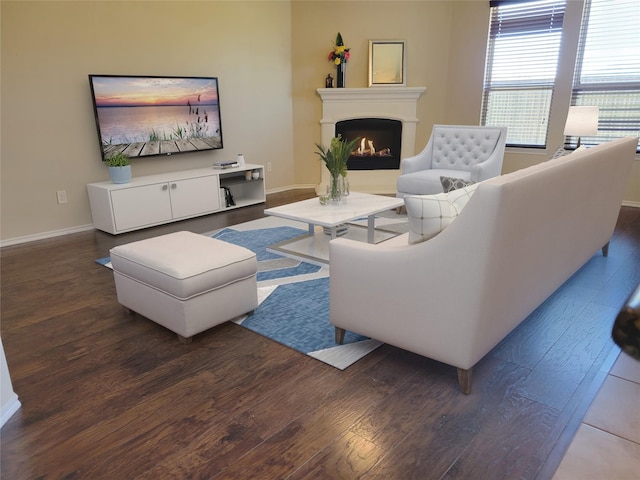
(9, 403)
(44, 235)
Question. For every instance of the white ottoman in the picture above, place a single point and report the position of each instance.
(185, 282)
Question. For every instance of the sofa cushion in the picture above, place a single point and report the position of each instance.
(427, 182)
(184, 264)
(449, 183)
(430, 214)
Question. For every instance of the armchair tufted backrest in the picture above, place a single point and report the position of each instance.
(462, 147)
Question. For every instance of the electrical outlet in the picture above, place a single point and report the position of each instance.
(268, 166)
(62, 196)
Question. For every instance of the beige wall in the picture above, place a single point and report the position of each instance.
(424, 25)
(270, 57)
(49, 139)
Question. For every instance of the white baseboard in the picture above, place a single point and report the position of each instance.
(9, 409)
(45, 235)
(631, 204)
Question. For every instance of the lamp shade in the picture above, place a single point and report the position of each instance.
(582, 121)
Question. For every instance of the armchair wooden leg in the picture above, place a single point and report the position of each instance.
(464, 380)
(340, 335)
(605, 250)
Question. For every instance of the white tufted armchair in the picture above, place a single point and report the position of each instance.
(467, 152)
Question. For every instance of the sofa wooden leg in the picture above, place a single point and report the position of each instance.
(184, 340)
(605, 250)
(340, 335)
(464, 380)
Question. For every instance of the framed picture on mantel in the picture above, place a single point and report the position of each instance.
(387, 64)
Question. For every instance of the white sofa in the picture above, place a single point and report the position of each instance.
(521, 235)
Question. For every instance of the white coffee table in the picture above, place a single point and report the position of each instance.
(314, 247)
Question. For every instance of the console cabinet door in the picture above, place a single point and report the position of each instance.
(141, 206)
(195, 196)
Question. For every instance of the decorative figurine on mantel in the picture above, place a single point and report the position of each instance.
(328, 82)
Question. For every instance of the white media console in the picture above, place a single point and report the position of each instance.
(169, 197)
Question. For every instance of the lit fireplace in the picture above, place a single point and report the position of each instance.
(399, 103)
(380, 142)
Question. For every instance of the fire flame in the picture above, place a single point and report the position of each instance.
(362, 150)
(367, 148)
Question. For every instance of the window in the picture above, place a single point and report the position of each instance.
(607, 72)
(522, 57)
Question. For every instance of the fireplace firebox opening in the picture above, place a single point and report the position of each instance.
(379, 145)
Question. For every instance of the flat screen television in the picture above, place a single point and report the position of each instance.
(150, 115)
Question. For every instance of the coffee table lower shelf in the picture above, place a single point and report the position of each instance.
(314, 248)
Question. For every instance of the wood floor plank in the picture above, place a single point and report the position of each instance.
(321, 424)
(511, 445)
(528, 343)
(447, 423)
(555, 378)
(349, 456)
(232, 436)
(618, 288)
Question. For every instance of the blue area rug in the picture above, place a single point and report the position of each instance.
(258, 240)
(105, 261)
(297, 315)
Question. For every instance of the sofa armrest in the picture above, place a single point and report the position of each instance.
(415, 164)
(360, 279)
(402, 295)
(491, 167)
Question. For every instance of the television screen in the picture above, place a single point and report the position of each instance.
(148, 115)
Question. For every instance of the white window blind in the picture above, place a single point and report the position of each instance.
(522, 58)
(607, 71)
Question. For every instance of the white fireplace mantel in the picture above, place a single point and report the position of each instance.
(396, 103)
(372, 94)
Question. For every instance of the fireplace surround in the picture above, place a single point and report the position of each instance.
(392, 103)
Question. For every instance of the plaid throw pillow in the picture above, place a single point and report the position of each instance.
(449, 184)
(430, 214)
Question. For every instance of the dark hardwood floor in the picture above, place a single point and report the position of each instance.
(109, 395)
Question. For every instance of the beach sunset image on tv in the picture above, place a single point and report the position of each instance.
(143, 116)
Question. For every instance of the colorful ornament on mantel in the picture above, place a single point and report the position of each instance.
(340, 56)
